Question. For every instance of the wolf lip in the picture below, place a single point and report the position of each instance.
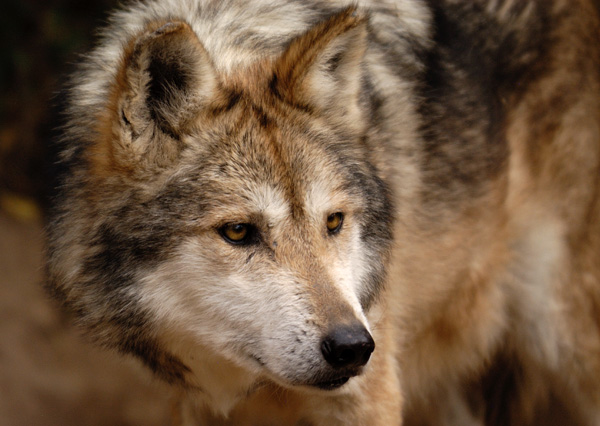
(333, 384)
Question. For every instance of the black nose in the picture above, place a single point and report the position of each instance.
(348, 346)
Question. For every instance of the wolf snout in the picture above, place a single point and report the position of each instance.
(347, 346)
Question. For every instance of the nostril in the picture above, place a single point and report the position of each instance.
(348, 346)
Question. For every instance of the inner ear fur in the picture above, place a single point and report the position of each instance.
(323, 68)
(166, 77)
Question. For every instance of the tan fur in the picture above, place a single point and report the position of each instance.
(486, 233)
(547, 201)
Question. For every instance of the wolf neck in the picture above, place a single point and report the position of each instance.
(220, 384)
(225, 393)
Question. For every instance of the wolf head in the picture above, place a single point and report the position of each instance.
(232, 216)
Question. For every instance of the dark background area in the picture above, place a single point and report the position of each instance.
(39, 44)
(49, 374)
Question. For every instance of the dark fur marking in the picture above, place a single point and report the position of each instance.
(274, 84)
(377, 218)
(334, 62)
(232, 99)
(122, 251)
(162, 363)
(468, 78)
(497, 396)
(167, 76)
(124, 246)
(264, 120)
(125, 242)
(377, 224)
(500, 386)
(457, 97)
(250, 256)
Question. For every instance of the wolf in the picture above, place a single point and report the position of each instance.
(381, 212)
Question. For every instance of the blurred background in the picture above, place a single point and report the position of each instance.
(49, 375)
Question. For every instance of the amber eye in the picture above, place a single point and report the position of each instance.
(238, 233)
(334, 222)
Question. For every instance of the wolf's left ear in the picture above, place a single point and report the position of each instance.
(322, 68)
(166, 78)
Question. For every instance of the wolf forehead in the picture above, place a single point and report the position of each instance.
(242, 169)
(280, 121)
(239, 154)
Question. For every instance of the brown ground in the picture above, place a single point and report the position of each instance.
(48, 375)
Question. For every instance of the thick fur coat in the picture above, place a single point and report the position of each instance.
(321, 213)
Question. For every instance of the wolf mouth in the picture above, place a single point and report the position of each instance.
(333, 384)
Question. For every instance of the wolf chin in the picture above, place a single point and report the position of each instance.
(324, 213)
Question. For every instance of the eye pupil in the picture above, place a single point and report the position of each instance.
(334, 222)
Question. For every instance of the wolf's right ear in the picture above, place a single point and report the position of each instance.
(166, 77)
